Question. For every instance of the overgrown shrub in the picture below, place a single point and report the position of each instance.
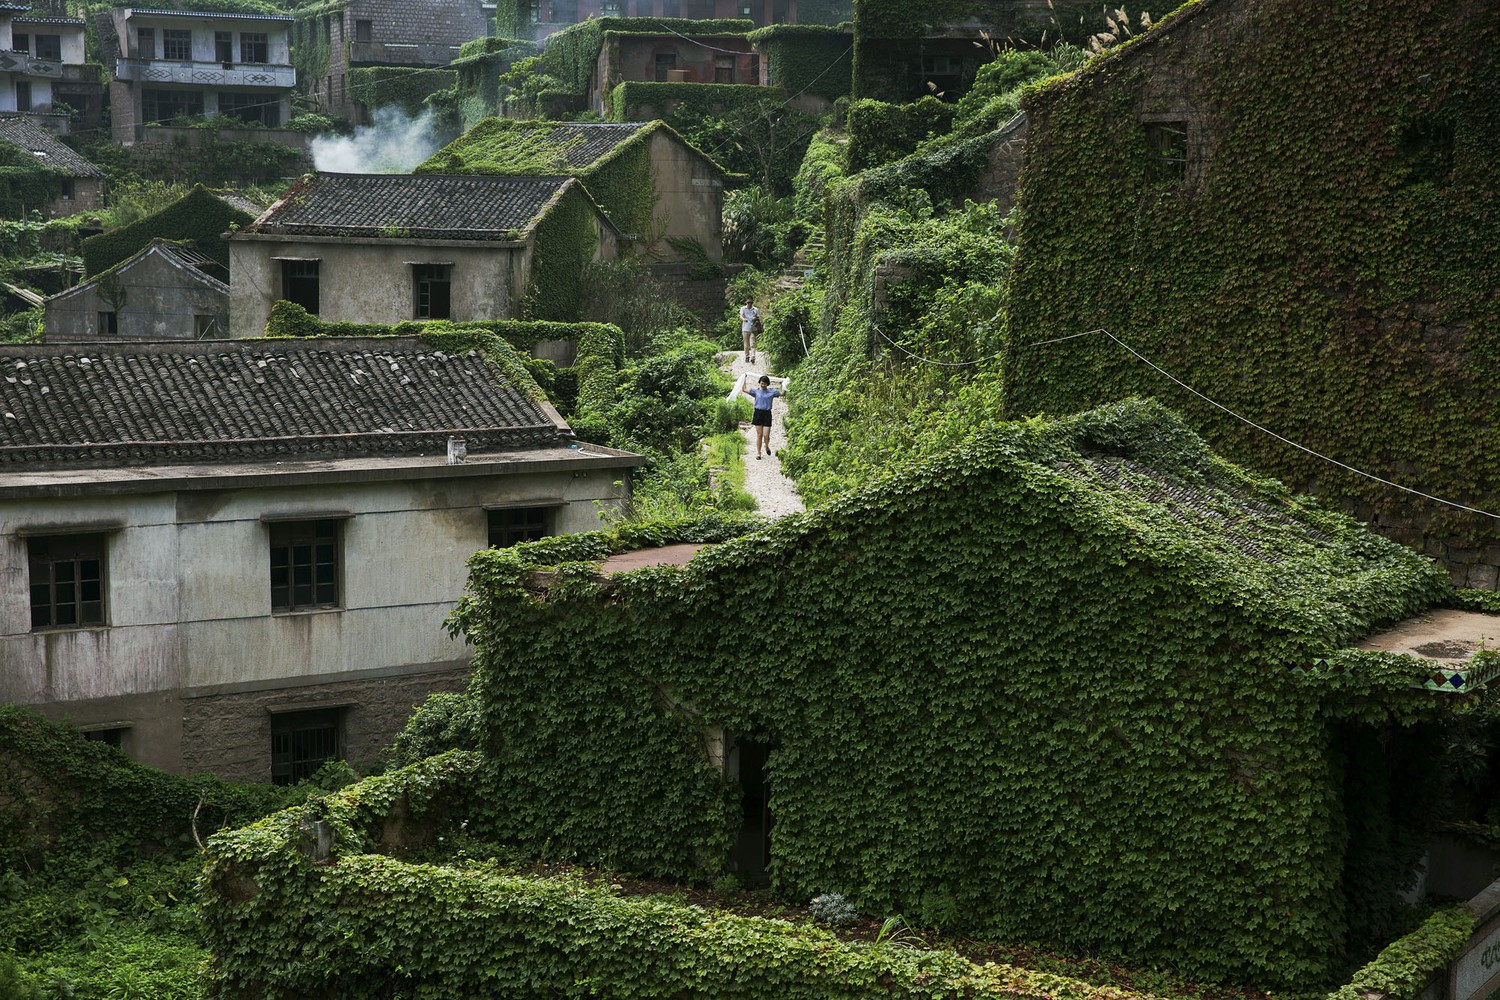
(880, 132)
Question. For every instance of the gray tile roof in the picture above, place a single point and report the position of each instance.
(584, 143)
(19, 131)
(226, 15)
(76, 22)
(254, 401)
(399, 206)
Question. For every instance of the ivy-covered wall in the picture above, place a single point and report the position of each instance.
(404, 87)
(1327, 268)
(566, 239)
(1065, 693)
(808, 58)
(198, 216)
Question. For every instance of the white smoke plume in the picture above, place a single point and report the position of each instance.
(393, 145)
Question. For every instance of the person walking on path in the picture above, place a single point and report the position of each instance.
(749, 327)
(761, 419)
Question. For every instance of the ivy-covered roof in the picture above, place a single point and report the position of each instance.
(507, 146)
(398, 206)
(44, 146)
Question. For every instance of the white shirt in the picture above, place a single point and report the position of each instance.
(748, 315)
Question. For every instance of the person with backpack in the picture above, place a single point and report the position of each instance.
(750, 327)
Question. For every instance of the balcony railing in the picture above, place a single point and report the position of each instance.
(27, 65)
(206, 74)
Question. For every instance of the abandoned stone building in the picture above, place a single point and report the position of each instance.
(168, 291)
(237, 557)
(75, 184)
(45, 66)
(384, 248)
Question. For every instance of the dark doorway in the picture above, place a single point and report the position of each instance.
(752, 845)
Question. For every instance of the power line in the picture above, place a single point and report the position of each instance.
(1265, 430)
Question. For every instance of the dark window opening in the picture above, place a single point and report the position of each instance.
(563, 12)
(513, 525)
(224, 46)
(23, 96)
(113, 737)
(177, 44)
(433, 285)
(206, 326)
(700, 10)
(1427, 147)
(165, 105)
(252, 108)
(610, 8)
(304, 565)
(109, 324)
(67, 581)
(363, 31)
(20, 42)
(299, 283)
(68, 189)
(302, 742)
(534, 11)
(723, 69)
(665, 63)
(49, 47)
(255, 47)
(145, 43)
(1167, 152)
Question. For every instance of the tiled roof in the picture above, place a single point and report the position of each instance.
(20, 131)
(74, 21)
(217, 14)
(398, 206)
(254, 401)
(583, 143)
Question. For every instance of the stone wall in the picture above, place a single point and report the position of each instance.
(230, 734)
(704, 297)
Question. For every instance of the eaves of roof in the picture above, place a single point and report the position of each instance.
(220, 15)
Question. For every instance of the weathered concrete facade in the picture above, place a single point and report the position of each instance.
(370, 280)
(170, 64)
(153, 296)
(203, 543)
(670, 58)
(689, 197)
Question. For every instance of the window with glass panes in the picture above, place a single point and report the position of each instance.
(177, 44)
(304, 565)
(255, 47)
(67, 581)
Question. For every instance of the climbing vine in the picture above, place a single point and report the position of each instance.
(1323, 268)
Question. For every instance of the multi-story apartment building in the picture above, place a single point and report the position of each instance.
(42, 67)
(364, 33)
(169, 64)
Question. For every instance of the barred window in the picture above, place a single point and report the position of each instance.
(519, 524)
(302, 742)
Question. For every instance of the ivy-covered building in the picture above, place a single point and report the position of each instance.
(536, 20)
(40, 176)
(237, 557)
(663, 193)
(357, 55)
(1078, 681)
(168, 291)
(387, 248)
(1324, 268)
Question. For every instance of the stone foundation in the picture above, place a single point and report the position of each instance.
(230, 734)
(704, 297)
(1469, 562)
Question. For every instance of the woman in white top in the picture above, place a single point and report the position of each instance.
(749, 320)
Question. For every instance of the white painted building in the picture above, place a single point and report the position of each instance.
(238, 557)
(41, 64)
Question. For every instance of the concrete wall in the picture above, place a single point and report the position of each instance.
(160, 302)
(69, 35)
(690, 198)
(370, 281)
(191, 643)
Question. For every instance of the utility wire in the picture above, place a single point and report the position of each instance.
(1265, 430)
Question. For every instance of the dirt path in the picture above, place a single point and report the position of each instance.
(776, 494)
